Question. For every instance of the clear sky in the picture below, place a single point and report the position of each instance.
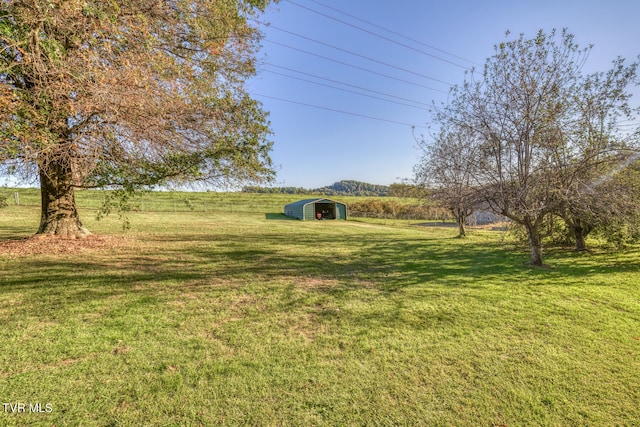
(403, 55)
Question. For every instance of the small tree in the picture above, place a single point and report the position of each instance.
(447, 169)
(523, 119)
(127, 94)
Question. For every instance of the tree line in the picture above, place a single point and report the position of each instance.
(345, 188)
(534, 139)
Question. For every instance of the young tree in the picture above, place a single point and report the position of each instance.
(127, 94)
(524, 120)
(447, 168)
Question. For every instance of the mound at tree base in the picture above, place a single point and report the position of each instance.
(51, 244)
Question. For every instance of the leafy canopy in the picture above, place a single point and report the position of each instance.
(132, 92)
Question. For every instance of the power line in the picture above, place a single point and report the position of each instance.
(628, 125)
(376, 35)
(338, 111)
(393, 32)
(345, 84)
(360, 55)
(354, 66)
(345, 90)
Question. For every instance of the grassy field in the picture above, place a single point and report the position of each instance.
(178, 201)
(172, 201)
(247, 318)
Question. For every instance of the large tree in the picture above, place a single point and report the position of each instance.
(126, 94)
(526, 119)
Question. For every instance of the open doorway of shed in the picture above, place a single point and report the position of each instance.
(325, 210)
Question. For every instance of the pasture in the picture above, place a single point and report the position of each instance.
(220, 317)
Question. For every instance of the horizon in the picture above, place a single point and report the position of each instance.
(6, 186)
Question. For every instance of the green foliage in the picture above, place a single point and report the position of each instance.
(554, 232)
(557, 232)
(340, 188)
(620, 234)
(408, 190)
(353, 188)
(274, 190)
(3, 201)
(395, 208)
(120, 201)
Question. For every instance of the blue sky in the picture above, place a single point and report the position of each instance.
(406, 51)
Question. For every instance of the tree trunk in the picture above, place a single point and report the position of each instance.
(59, 214)
(461, 230)
(579, 234)
(461, 218)
(580, 230)
(535, 244)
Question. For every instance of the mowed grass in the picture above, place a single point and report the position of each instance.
(251, 319)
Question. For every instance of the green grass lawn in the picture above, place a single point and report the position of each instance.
(214, 318)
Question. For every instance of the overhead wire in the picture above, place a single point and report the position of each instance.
(338, 111)
(360, 55)
(376, 34)
(627, 126)
(351, 65)
(359, 28)
(269, 64)
(373, 24)
(345, 90)
(355, 66)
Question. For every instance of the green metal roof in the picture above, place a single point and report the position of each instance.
(307, 201)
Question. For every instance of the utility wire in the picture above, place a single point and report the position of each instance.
(345, 90)
(344, 84)
(338, 111)
(354, 66)
(394, 32)
(360, 55)
(376, 35)
(628, 125)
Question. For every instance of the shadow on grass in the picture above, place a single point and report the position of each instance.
(278, 216)
(337, 257)
(9, 232)
(345, 257)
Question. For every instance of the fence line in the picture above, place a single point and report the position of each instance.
(164, 202)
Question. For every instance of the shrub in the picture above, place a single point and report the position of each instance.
(376, 208)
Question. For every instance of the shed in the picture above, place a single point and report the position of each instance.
(309, 209)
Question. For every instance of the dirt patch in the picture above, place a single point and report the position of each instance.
(44, 244)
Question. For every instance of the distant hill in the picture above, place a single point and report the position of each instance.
(353, 188)
(340, 188)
